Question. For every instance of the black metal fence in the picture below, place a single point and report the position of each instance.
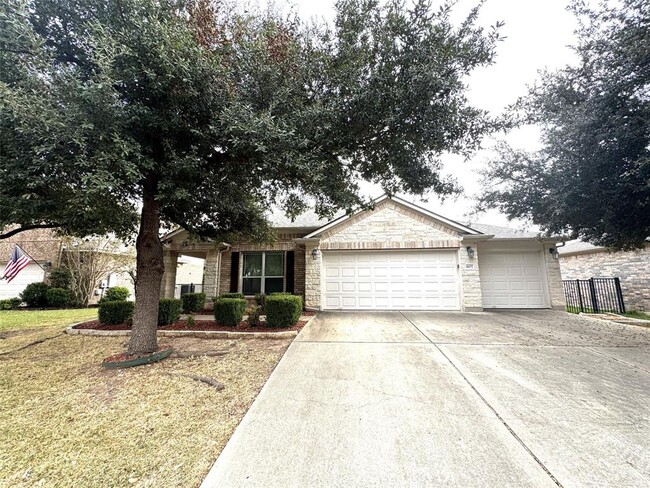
(594, 295)
(182, 289)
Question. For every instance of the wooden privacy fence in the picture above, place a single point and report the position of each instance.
(594, 295)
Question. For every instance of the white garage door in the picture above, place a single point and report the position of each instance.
(390, 280)
(512, 280)
(30, 274)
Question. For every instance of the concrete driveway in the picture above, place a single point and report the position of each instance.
(421, 399)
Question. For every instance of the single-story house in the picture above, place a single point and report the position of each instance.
(397, 256)
(580, 261)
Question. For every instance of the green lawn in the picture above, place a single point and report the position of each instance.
(31, 319)
(638, 315)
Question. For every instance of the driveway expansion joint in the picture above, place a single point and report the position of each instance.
(484, 400)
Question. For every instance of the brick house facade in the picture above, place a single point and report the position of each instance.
(395, 256)
(579, 260)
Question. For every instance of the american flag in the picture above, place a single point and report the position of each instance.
(17, 262)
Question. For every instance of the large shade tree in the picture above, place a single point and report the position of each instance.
(591, 178)
(117, 114)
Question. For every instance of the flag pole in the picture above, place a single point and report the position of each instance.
(30, 257)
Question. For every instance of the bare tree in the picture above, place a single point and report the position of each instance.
(89, 260)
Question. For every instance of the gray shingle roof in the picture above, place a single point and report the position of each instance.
(308, 219)
(500, 232)
(578, 246)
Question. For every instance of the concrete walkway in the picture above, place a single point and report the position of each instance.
(428, 399)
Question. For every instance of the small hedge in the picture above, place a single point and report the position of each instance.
(282, 310)
(35, 294)
(193, 302)
(115, 294)
(10, 303)
(117, 312)
(58, 297)
(169, 311)
(229, 311)
(232, 295)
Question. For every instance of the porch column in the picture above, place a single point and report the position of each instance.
(211, 275)
(168, 285)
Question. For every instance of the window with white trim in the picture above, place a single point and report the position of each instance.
(263, 272)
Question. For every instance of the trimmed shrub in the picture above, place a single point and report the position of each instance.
(60, 278)
(35, 294)
(229, 311)
(115, 294)
(169, 311)
(191, 322)
(254, 319)
(117, 312)
(260, 299)
(232, 295)
(58, 297)
(283, 310)
(193, 302)
(10, 303)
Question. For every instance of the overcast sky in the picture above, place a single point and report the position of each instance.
(537, 35)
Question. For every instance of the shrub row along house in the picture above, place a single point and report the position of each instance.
(397, 256)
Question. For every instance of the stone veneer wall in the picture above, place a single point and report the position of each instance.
(632, 267)
(554, 277)
(312, 277)
(389, 226)
(470, 280)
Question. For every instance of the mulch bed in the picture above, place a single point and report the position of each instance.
(201, 325)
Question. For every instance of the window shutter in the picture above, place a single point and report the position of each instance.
(290, 271)
(234, 272)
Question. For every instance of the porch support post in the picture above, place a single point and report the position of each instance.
(168, 285)
(211, 275)
(313, 264)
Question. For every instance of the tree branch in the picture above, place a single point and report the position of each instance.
(13, 232)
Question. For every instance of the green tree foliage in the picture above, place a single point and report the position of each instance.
(591, 179)
(201, 115)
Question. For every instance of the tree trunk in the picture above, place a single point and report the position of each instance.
(149, 270)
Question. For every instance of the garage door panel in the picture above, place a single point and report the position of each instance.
(512, 280)
(410, 280)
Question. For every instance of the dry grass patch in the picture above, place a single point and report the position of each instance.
(66, 421)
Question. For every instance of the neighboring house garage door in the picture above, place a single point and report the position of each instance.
(512, 280)
(30, 274)
(390, 280)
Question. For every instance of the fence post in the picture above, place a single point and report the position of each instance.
(582, 309)
(594, 298)
(619, 294)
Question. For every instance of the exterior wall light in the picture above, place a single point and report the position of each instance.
(553, 252)
(314, 253)
(470, 252)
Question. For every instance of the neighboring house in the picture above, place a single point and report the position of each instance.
(48, 252)
(43, 246)
(581, 260)
(398, 256)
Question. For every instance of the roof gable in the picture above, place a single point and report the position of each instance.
(399, 209)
